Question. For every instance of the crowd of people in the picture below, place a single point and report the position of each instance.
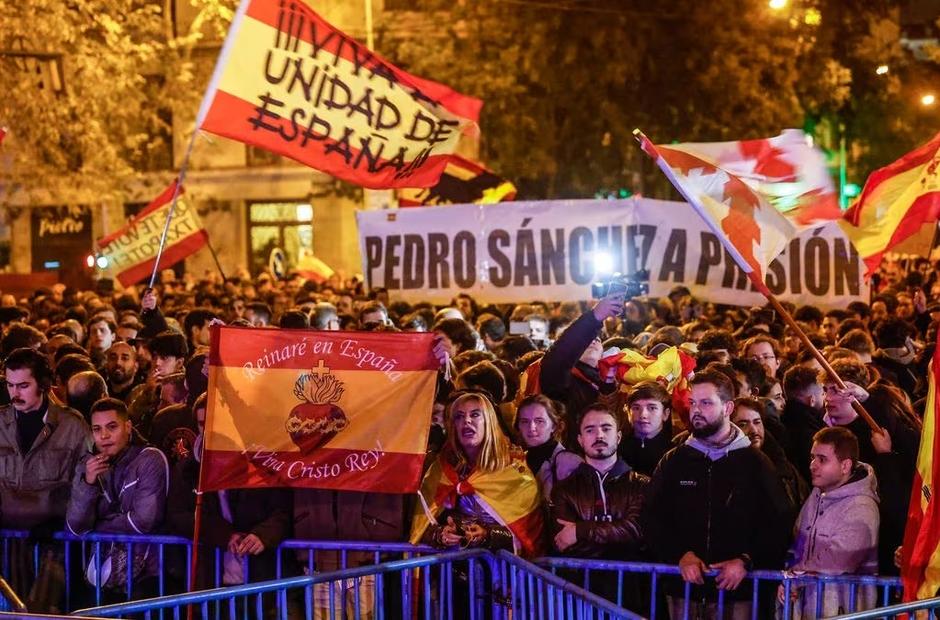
(537, 445)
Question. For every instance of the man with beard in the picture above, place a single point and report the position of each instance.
(716, 503)
(121, 371)
(598, 506)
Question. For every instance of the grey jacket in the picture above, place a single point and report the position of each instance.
(34, 487)
(837, 533)
(129, 498)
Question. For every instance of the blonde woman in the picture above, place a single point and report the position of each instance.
(478, 492)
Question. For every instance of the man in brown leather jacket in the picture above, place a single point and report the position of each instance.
(598, 507)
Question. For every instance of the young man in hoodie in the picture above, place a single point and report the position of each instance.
(715, 502)
(837, 530)
(120, 488)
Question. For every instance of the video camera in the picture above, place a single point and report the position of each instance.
(631, 286)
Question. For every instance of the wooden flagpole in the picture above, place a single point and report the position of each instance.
(792, 324)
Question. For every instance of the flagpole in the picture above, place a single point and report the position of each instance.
(648, 146)
(215, 257)
(817, 354)
(169, 215)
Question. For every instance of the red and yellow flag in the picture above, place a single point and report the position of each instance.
(319, 409)
(920, 567)
(511, 496)
(290, 83)
(895, 202)
(132, 250)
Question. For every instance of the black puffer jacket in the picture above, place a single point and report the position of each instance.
(721, 504)
(606, 508)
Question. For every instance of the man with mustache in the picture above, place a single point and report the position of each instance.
(716, 503)
(598, 506)
(40, 444)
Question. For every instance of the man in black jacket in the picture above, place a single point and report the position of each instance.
(716, 503)
(802, 415)
(569, 368)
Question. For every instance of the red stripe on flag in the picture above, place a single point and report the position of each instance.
(282, 349)
(340, 469)
(171, 254)
(229, 116)
(333, 41)
(917, 157)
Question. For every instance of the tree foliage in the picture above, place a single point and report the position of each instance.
(565, 83)
(123, 71)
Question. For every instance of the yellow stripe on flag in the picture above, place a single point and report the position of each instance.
(244, 412)
(887, 206)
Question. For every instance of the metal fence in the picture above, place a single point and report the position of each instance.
(930, 605)
(471, 584)
(779, 594)
(510, 583)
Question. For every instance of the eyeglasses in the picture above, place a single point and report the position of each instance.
(766, 357)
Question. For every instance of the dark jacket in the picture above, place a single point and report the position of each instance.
(35, 486)
(720, 504)
(266, 513)
(566, 379)
(606, 508)
(322, 514)
(643, 455)
(801, 422)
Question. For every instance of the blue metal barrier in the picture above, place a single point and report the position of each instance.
(499, 587)
(794, 585)
(423, 590)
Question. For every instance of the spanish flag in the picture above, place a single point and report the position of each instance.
(463, 182)
(511, 496)
(319, 409)
(896, 201)
(132, 250)
(288, 82)
(920, 568)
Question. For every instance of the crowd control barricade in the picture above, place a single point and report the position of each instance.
(427, 591)
(763, 587)
(500, 586)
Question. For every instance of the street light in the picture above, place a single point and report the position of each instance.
(928, 100)
(777, 4)
(882, 70)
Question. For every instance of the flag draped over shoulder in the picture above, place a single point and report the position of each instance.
(920, 568)
(895, 202)
(319, 409)
(463, 182)
(755, 195)
(511, 496)
(288, 82)
(132, 250)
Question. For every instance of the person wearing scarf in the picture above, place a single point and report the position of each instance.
(478, 492)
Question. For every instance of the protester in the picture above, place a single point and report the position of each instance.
(649, 435)
(120, 488)
(539, 427)
(837, 529)
(716, 503)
